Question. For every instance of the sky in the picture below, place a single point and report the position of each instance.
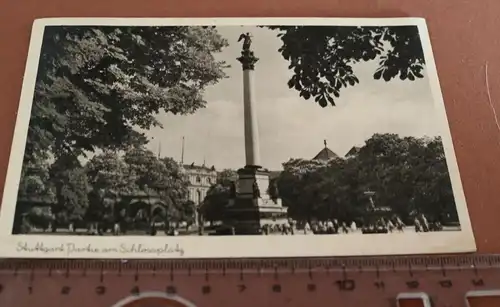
(289, 126)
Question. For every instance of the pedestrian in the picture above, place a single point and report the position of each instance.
(344, 228)
(425, 223)
(329, 227)
(266, 229)
(418, 226)
(287, 228)
(399, 224)
(315, 228)
(390, 226)
(307, 228)
(116, 229)
(353, 226)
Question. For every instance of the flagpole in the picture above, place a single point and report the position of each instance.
(182, 152)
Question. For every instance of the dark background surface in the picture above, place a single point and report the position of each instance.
(464, 37)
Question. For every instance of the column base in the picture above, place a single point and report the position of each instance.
(249, 210)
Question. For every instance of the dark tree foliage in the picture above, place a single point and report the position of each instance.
(89, 193)
(34, 184)
(215, 202)
(322, 57)
(409, 175)
(71, 189)
(96, 84)
(145, 170)
(226, 177)
(187, 211)
(107, 171)
(218, 195)
(142, 171)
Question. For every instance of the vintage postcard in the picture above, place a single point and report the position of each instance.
(204, 138)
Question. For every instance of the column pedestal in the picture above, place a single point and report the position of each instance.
(252, 207)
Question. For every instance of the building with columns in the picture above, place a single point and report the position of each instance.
(201, 178)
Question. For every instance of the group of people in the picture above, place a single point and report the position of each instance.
(383, 225)
(423, 225)
(330, 226)
(288, 228)
(333, 226)
(389, 225)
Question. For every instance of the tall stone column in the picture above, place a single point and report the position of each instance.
(250, 206)
(252, 149)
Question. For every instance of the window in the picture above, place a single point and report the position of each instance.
(209, 180)
(198, 179)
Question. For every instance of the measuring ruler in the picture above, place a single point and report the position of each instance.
(355, 282)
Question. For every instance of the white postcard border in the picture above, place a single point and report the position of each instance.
(53, 246)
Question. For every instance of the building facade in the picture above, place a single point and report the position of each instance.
(201, 178)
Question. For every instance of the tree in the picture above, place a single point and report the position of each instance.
(108, 171)
(96, 84)
(187, 211)
(218, 195)
(175, 181)
(215, 202)
(433, 190)
(226, 177)
(34, 183)
(72, 188)
(301, 167)
(144, 167)
(407, 174)
(163, 176)
(36, 196)
(174, 191)
(298, 187)
(322, 58)
(110, 179)
(158, 174)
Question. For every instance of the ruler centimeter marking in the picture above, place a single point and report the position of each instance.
(292, 264)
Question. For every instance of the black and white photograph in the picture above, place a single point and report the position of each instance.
(200, 138)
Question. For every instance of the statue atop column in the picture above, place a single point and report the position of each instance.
(247, 40)
(247, 57)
